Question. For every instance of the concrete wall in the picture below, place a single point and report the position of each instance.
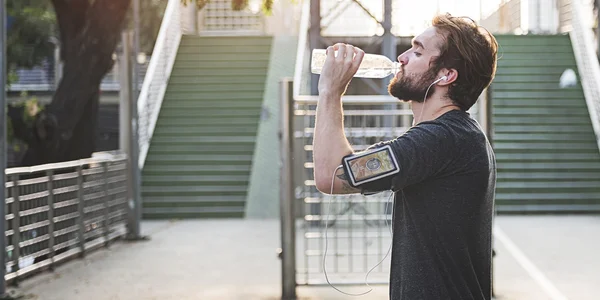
(263, 190)
(507, 19)
(526, 17)
(539, 16)
(285, 19)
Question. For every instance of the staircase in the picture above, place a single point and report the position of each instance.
(548, 159)
(200, 156)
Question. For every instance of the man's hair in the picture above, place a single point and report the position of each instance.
(472, 51)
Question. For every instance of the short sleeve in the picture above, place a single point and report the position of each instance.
(422, 152)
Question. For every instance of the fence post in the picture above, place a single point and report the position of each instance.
(3, 146)
(287, 216)
(80, 206)
(106, 222)
(129, 138)
(50, 186)
(16, 225)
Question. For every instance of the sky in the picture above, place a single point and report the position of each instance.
(409, 17)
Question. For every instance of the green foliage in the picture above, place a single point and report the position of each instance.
(239, 4)
(199, 3)
(151, 14)
(267, 5)
(30, 107)
(28, 39)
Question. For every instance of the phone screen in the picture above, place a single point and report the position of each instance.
(371, 165)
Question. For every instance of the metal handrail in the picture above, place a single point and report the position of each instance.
(64, 165)
(587, 64)
(157, 76)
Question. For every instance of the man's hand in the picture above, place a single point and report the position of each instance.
(339, 70)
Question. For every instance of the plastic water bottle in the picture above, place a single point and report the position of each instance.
(372, 65)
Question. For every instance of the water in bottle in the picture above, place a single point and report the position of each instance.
(372, 65)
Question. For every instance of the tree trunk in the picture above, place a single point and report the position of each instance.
(66, 129)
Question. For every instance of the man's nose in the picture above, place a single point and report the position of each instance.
(403, 58)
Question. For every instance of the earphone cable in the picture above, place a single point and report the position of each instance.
(325, 251)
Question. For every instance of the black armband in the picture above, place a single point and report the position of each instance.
(370, 166)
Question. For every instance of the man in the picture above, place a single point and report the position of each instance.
(443, 204)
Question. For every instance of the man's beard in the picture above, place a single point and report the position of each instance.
(413, 87)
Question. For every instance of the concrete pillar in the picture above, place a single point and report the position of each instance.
(314, 37)
(388, 48)
(539, 16)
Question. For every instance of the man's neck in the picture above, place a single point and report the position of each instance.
(431, 109)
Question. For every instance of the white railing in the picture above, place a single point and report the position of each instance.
(587, 63)
(157, 76)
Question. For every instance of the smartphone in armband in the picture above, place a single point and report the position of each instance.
(370, 165)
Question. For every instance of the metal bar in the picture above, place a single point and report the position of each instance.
(389, 50)
(106, 220)
(306, 246)
(367, 11)
(132, 147)
(125, 93)
(61, 165)
(136, 48)
(356, 112)
(339, 282)
(305, 189)
(336, 237)
(488, 109)
(287, 196)
(365, 239)
(350, 244)
(50, 185)
(3, 143)
(379, 237)
(16, 226)
(351, 99)
(314, 38)
(81, 216)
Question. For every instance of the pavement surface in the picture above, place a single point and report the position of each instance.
(538, 257)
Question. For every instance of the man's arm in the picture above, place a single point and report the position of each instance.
(330, 144)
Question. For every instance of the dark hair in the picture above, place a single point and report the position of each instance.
(472, 51)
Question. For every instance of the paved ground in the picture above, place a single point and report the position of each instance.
(539, 257)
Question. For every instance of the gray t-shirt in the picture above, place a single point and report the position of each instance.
(443, 212)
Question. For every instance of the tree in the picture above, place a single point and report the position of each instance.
(89, 31)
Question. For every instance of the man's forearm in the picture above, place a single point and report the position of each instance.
(329, 141)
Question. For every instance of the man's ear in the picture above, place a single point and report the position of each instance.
(451, 76)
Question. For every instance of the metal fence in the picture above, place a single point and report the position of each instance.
(355, 229)
(63, 210)
(358, 227)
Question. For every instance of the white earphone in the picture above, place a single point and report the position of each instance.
(425, 98)
(440, 79)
